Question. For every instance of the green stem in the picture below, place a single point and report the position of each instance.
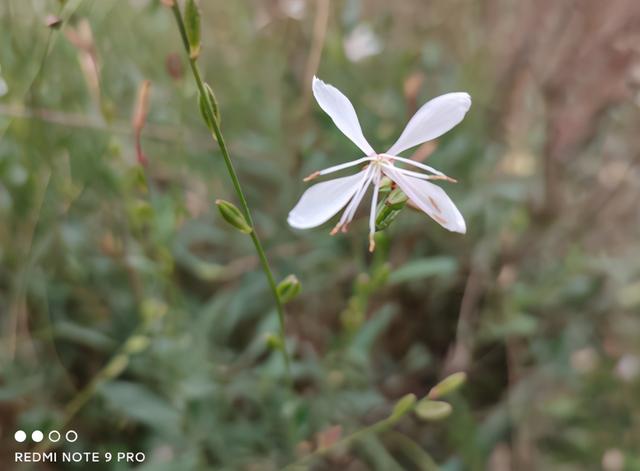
(217, 135)
(378, 427)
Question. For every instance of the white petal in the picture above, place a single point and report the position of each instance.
(341, 111)
(432, 120)
(339, 167)
(374, 204)
(431, 199)
(321, 201)
(416, 164)
(352, 207)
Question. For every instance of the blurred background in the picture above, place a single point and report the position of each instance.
(132, 314)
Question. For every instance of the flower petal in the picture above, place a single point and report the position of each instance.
(431, 199)
(323, 200)
(352, 207)
(341, 111)
(432, 120)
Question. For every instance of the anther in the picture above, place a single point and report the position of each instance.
(442, 177)
(312, 176)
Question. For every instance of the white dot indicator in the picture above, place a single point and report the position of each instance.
(71, 436)
(37, 436)
(20, 436)
(54, 436)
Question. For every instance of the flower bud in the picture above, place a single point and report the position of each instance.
(448, 385)
(153, 309)
(385, 186)
(433, 410)
(388, 210)
(289, 288)
(233, 216)
(136, 344)
(192, 27)
(274, 342)
(209, 107)
(396, 199)
(53, 21)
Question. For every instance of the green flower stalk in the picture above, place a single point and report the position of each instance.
(190, 34)
(425, 409)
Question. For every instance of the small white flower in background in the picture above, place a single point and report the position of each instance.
(3, 85)
(361, 43)
(628, 367)
(293, 8)
(323, 200)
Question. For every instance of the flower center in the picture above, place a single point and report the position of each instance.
(380, 159)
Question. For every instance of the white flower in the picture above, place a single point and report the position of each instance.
(323, 200)
(361, 43)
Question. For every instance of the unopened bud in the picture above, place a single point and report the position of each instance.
(289, 288)
(233, 216)
(209, 107)
(274, 342)
(53, 21)
(385, 185)
(396, 199)
(388, 210)
(153, 309)
(433, 410)
(192, 27)
(448, 385)
(136, 344)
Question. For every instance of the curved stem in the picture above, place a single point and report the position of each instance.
(346, 442)
(217, 135)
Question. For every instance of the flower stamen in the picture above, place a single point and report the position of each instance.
(310, 177)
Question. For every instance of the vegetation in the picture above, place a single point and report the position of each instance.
(133, 310)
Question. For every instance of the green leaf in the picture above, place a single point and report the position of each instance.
(370, 331)
(424, 268)
(67, 330)
(140, 404)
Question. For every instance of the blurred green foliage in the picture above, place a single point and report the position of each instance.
(133, 314)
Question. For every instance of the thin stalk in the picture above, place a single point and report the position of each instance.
(217, 135)
(379, 427)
